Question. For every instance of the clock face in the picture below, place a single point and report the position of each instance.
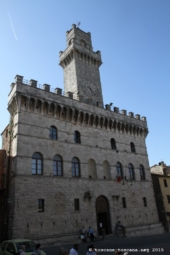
(90, 89)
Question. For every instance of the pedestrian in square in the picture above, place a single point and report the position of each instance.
(74, 250)
(91, 235)
(91, 250)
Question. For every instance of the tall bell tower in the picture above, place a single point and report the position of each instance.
(81, 68)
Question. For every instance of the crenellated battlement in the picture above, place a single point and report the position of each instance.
(41, 99)
(70, 95)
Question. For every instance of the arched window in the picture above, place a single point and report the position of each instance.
(113, 144)
(53, 133)
(92, 169)
(142, 172)
(106, 170)
(131, 172)
(132, 147)
(75, 167)
(119, 170)
(77, 137)
(57, 165)
(37, 166)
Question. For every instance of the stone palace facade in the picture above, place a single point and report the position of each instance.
(75, 162)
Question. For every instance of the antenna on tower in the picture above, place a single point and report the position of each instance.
(78, 23)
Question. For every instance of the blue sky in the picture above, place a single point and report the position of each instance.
(133, 37)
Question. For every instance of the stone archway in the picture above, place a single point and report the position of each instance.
(102, 215)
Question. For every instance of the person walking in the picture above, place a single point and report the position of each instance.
(37, 250)
(91, 235)
(120, 226)
(83, 235)
(74, 250)
(91, 250)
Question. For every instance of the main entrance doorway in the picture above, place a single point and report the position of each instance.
(102, 214)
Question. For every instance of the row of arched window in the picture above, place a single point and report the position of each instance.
(77, 139)
(119, 170)
(37, 168)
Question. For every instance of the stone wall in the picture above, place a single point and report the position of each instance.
(60, 218)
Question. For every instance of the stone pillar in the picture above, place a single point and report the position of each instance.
(67, 113)
(42, 104)
(78, 118)
(35, 103)
(72, 117)
(18, 101)
(27, 103)
(89, 120)
(61, 112)
(55, 107)
(92, 124)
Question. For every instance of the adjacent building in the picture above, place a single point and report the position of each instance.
(161, 183)
(75, 162)
(5, 163)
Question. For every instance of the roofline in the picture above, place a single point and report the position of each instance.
(4, 129)
(160, 175)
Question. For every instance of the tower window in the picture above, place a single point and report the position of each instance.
(76, 204)
(142, 172)
(124, 202)
(40, 205)
(144, 202)
(113, 144)
(132, 147)
(37, 166)
(53, 133)
(131, 172)
(165, 183)
(77, 137)
(119, 170)
(57, 165)
(75, 167)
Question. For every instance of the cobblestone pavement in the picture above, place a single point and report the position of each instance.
(157, 244)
